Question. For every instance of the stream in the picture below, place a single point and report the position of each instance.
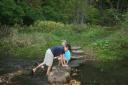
(87, 74)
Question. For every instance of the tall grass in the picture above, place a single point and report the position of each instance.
(105, 43)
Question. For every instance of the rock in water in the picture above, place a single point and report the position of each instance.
(59, 74)
(76, 63)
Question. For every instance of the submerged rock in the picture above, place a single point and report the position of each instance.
(76, 63)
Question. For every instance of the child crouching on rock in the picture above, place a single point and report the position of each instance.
(67, 55)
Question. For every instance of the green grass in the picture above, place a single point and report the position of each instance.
(106, 43)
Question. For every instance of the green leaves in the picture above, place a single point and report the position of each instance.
(103, 44)
(10, 13)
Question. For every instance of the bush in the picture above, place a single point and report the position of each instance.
(10, 12)
(125, 20)
(93, 15)
(18, 12)
(48, 26)
(5, 31)
(111, 17)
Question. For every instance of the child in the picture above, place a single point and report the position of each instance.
(67, 54)
(67, 57)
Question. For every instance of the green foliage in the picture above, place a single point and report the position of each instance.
(93, 15)
(27, 45)
(10, 13)
(125, 20)
(5, 31)
(47, 26)
(111, 17)
(105, 43)
(112, 47)
(13, 12)
(26, 12)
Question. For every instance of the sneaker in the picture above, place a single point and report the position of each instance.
(33, 71)
(42, 67)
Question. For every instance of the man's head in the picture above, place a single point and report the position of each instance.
(67, 47)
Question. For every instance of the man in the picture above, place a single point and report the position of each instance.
(49, 56)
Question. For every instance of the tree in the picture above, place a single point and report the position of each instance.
(10, 12)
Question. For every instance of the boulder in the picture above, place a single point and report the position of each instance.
(59, 74)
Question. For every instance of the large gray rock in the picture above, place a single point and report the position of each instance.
(59, 74)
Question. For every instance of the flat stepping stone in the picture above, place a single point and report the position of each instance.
(77, 57)
(76, 47)
(78, 52)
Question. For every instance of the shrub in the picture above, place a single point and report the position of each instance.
(5, 31)
(10, 12)
(93, 15)
(125, 20)
(48, 26)
(111, 17)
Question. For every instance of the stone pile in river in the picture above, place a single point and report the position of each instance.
(62, 75)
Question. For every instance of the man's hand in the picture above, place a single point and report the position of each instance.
(59, 58)
(55, 57)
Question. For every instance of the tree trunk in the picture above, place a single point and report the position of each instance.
(101, 7)
(111, 5)
(118, 5)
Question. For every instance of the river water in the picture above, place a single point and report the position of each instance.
(112, 73)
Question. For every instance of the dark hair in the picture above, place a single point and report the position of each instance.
(68, 45)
